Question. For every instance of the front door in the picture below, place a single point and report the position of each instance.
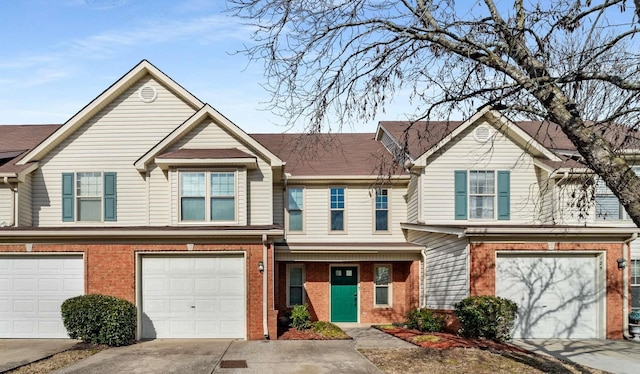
(344, 294)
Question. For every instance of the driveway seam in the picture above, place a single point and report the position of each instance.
(221, 357)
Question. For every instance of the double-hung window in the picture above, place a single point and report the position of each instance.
(295, 206)
(382, 209)
(207, 196)
(89, 196)
(635, 284)
(295, 284)
(337, 208)
(382, 285)
(482, 194)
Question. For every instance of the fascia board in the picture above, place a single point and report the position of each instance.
(165, 163)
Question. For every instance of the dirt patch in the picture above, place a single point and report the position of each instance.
(293, 334)
(60, 360)
(467, 360)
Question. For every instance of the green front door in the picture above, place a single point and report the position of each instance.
(344, 294)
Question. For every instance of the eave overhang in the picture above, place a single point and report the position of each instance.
(366, 247)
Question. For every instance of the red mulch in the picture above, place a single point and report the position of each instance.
(293, 334)
(446, 340)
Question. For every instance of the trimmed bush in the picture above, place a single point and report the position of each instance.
(300, 317)
(425, 320)
(488, 317)
(100, 319)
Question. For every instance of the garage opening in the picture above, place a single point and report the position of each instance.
(193, 296)
(558, 295)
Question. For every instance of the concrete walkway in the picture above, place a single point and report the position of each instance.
(615, 356)
(18, 352)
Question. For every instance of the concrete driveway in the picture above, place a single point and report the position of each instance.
(18, 352)
(227, 356)
(615, 356)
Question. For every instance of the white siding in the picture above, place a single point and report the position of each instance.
(413, 199)
(575, 207)
(159, 198)
(24, 202)
(110, 141)
(545, 204)
(278, 205)
(445, 269)
(635, 249)
(359, 215)
(465, 153)
(258, 190)
(5, 205)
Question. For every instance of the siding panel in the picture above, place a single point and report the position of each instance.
(24, 193)
(5, 205)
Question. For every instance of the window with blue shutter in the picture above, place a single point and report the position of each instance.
(67, 197)
(460, 182)
(89, 197)
(504, 199)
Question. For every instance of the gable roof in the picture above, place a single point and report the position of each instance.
(16, 141)
(138, 71)
(205, 112)
(326, 155)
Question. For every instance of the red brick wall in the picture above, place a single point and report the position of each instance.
(405, 291)
(482, 272)
(110, 270)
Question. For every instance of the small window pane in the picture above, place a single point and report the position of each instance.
(295, 276)
(382, 220)
(89, 184)
(382, 276)
(337, 220)
(223, 209)
(295, 295)
(295, 220)
(635, 297)
(223, 184)
(295, 199)
(89, 209)
(481, 206)
(382, 295)
(607, 207)
(192, 209)
(337, 198)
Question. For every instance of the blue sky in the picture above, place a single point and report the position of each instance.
(58, 55)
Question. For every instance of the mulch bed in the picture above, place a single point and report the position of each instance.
(293, 334)
(443, 340)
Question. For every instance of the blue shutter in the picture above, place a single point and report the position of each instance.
(460, 177)
(67, 197)
(110, 196)
(504, 200)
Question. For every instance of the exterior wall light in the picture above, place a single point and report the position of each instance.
(622, 263)
(261, 266)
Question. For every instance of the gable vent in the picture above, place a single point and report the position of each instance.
(148, 94)
(482, 134)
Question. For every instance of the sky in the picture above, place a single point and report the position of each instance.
(58, 55)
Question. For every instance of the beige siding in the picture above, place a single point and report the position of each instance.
(359, 215)
(278, 205)
(545, 204)
(465, 153)
(413, 199)
(5, 205)
(256, 198)
(111, 141)
(159, 197)
(445, 269)
(24, 202)
(635, 249)
(573, 206)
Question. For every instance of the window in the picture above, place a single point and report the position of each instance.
(89, 196)
(337, 208)
(195, 192)
(608, 207)
(295, 207)
(635, 284)
(382, 284)
(295, 285)
(481, 194)
(382, 209)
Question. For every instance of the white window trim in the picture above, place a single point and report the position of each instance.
(389, 286)
(286, 209)
(207, 196)
(375, 195)
(77, 197)
(495, 194)
(344, 214)
(304, 296)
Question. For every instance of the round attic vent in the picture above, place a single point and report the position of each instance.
(482, 134)
(148, 94)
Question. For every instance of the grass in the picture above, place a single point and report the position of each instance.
(425, 338)
(328, 330)
(59, 360)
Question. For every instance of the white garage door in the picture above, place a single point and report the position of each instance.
(558, 296)
(193, 296)
(31, 292)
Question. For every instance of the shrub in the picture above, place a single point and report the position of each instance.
(425, 320)
(100, 319)
(489, 317)
(634, 317)
(300, 317)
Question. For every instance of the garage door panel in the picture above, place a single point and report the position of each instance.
(557, 295)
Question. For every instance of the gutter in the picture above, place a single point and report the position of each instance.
(625, 286)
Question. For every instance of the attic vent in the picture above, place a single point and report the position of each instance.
(148, 94)
(482, 134)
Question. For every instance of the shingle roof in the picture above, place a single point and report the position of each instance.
(17, 140)
(357, 154)
(421, 135)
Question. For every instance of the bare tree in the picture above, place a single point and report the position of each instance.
(571, 62)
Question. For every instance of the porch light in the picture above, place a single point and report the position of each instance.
(622, 263)
(261, 266)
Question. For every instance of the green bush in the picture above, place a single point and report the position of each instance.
(300, 317)
(425, 320)
(489, 317)
(100, 319)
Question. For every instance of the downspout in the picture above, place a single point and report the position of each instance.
(284, 200)
(423, 279)
(625, 286)
(265, 271)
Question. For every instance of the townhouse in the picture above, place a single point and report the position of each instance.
(151, 195)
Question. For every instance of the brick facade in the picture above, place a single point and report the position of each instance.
(110, 269)
(483, 277)
(404, 290)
